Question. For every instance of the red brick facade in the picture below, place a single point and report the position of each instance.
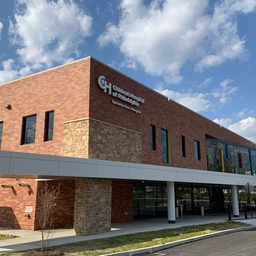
(157, 110)
(14, 203)
(63, 214)
(18, 204)
(64, 90)
(73, 93)
(122, 201)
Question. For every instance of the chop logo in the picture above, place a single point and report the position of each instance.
(104, 85)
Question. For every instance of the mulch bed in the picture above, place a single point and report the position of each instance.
(47, 253)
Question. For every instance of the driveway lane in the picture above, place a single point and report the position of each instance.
(235, 244)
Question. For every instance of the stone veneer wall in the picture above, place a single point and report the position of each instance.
(89, 138)
(75, 141)
(109, 142)
(92, 206)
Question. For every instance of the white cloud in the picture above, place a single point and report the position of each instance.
(8, 73)
(129, 63)
(195, 101)
(250, 113)
(48, 31)
(225, 122)
(206, 82)
(1, 28)
(224, 92)
(242, 112)
(163, 35)
(245, 128)
(224, 83)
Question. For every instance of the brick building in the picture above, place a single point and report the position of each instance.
(118, 149)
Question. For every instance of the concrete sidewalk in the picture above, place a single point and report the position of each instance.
(29, 240)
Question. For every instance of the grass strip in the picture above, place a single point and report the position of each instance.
(3, 237)
(140, 240)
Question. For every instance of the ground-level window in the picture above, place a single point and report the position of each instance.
(183, 146)
(197, 150)
(165, 147)
(153, 137)
(1, 133)
(28, 129)
(49, 122)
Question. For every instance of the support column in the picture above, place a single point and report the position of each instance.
(234, 201)
(92, 213)
(171, 202)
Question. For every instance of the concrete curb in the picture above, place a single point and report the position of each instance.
(157, 248)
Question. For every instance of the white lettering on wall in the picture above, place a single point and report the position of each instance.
(121, 94)
(126, 107)
(104, 85)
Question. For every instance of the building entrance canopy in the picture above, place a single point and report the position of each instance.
(15, 164)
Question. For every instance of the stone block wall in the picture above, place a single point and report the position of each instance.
(92, 206)
(88, 138)
(110, 142)
(76, 138)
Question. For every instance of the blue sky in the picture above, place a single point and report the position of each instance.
(200, 53)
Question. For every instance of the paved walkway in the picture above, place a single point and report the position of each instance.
(29, 240)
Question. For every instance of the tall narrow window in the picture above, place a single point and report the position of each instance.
(153, 137)
(197, 150)
(165, 147)
(28, 130)
(49, 121)
(183, 146)
(1, 133)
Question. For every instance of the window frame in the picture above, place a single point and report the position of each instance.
(183, 146)
(152, 137)
(46, 126)
(25, 129)
(197, 153)
(165, 154)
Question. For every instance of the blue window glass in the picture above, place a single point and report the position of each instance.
(28, 130)
(165, 151)
(153, 137)
(49, 122)
(197, 150)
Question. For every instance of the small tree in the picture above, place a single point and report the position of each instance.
(48, 198)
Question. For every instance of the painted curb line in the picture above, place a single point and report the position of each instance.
(176, 243)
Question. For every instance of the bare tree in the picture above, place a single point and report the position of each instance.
(48, 198)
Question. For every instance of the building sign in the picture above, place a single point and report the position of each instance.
(120, 94)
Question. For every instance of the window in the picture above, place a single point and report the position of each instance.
(183, 146)
(153, 137)
(1, 132)
(165, 147)
(28, 130)
(197, 150)
(48, 129)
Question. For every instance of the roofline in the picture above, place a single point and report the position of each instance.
(168, 99)
(46, 70)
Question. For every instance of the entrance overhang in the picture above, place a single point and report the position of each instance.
(38, 166)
